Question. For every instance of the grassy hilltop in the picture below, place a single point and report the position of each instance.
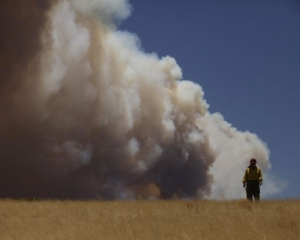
(79, 220)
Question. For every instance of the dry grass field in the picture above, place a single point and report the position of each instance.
(149, 220)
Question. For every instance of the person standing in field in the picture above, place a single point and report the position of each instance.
(253, 180)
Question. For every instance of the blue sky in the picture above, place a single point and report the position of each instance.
(245, 55)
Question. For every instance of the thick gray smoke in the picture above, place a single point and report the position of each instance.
(84, 113)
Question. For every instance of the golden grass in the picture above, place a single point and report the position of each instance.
(149, 220)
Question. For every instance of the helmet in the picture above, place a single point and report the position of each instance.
(253, 160)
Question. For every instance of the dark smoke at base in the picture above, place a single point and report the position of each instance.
(25, 174)
(85, 114)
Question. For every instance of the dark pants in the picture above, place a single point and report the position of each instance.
(253, 189)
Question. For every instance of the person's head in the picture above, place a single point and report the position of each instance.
(253, 162)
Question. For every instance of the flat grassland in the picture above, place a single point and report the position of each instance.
(149, 220)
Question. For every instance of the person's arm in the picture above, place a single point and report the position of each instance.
(260, 177)
(245, 178)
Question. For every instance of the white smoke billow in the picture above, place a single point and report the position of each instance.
(86, 114)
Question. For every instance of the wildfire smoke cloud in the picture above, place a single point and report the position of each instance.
(84, 113)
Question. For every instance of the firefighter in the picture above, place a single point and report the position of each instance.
(253, 180)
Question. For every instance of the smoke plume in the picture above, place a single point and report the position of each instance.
(84, 113)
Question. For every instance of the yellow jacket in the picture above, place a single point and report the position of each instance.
(253, 174)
